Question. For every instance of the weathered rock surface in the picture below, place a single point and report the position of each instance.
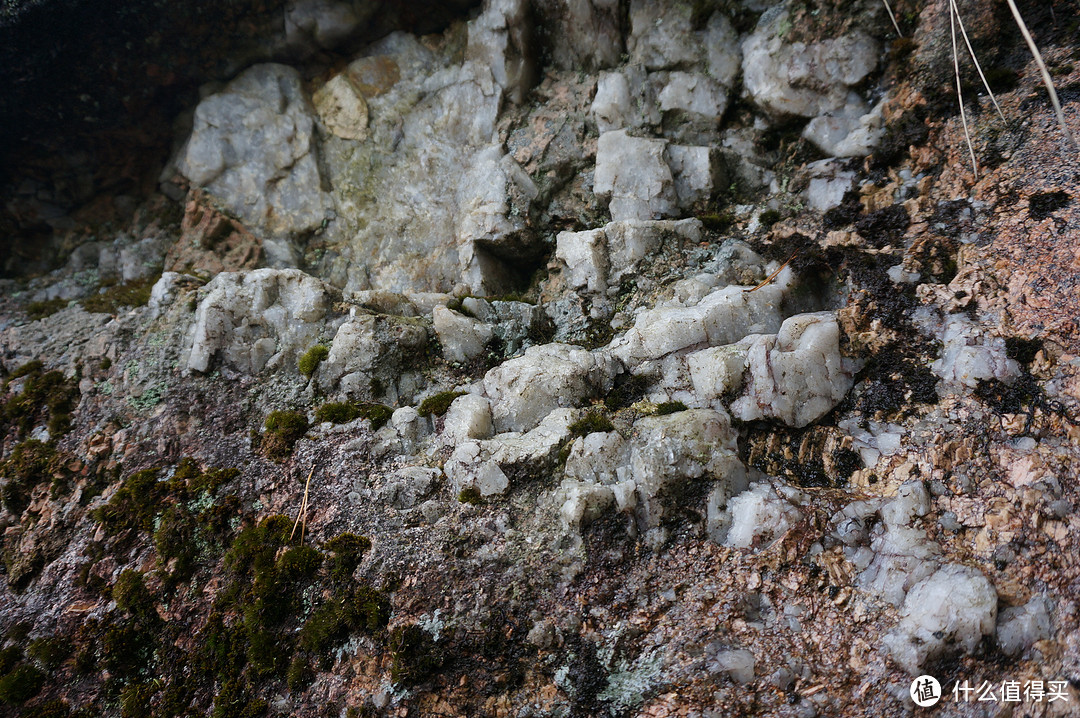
(948, 612)
(252, 147)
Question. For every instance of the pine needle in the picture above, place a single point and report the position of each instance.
(974, 59)
(773, 275)
(892, 17)
(1045, 73)
(960, 92)
(302, 513)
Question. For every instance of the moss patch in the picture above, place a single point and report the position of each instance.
(670, 407)
(46, 398)
(438, 404)
(21, 684)
(311, 359)
(113, 298)
(345, 411)
(415, 655)
(283, 430)
(593, 421)
(45, 308)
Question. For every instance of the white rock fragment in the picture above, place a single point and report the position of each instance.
(534, 447)
(342, 108)
(468, 469)
(525, 389)
(698, 173)
(721, 317)
(462, 338)
(901, 555)
(500, 38)
(970, 356)
(597, 260)
(469, 417)
(850, 131)
(633, 177)
(797, 79)
(739, 664)
(761, 515)
(411, 428)
(314, 24)
(255, 320)
(717, 371)
(599, 458)
(798, 375)
(668, 452)
(695, 93)
(252, 147)
(949, 611)
(828, 184)
(406, 487)
(1019, 627)
(585, 502)
(624, 99)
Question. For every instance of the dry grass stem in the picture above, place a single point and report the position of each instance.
(301, 515)
(974, 59)
(892, 17)
(959, 90)
(1045, 72)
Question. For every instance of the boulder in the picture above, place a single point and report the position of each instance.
(256, 320)
(793, 78)
(252, 148)
(798, 375)
(949, 612)
(525, 389)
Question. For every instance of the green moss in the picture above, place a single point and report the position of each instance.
(21, 684)
(45, 308)
(135, 505)
(131, 595)
(348, 549)
(298, 564)
(31, 463)
(437, 404)
(367, 609)
(233, 702)
(131, 294)
(769, 217)
(670, 407)
(9, 658)
(717, 221)
(628, 389)
(31, 367)
(46, 398)
(471, 495)
(127, 648)
(344, 412)
(283, 430)
(51, 652)
(48, 709)
(414, 655)
(135, 700)
(300, 675)
(311, 359)
(593, 421)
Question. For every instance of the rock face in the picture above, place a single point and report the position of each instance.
(252, 147)
(949, 611)
(543, 330)
(528, 388)
(253, 320)
(797, 376)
